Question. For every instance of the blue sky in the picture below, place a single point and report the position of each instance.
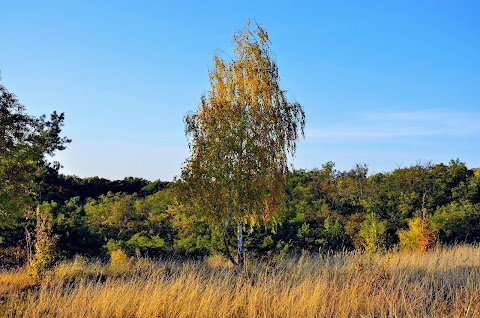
(387, 83)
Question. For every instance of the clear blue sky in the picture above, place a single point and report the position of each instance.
(385, 83)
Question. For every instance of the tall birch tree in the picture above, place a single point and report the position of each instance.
(240, 138)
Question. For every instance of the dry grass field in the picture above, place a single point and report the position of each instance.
(440, 283)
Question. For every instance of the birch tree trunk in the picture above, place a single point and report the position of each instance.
(240, 252)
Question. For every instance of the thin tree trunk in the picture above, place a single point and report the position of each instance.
(240, 252)
(225, 240)
(29, 244)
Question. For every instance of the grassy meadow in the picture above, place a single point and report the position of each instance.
(444, 282)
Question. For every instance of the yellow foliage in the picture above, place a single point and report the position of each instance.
(418, 237)
(44, 255)
(119, 262)
(241, 136)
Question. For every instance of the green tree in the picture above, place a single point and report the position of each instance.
(132, 223)
(75, 236)
(115, 216)
(25, 141)
(334, 235)
(457, 222)
(372, 233)
(241, 134)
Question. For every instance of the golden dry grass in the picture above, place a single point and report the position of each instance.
(440, 283)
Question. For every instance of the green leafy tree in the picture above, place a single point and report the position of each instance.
(372, 233)
(131, 223)
(334, 235)
(25, 141)
(194, 236)
(114, 215)
(75, 236)
(241, 135)
(305, 234)
(457, 222)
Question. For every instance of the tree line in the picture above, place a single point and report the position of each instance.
(412, 208)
